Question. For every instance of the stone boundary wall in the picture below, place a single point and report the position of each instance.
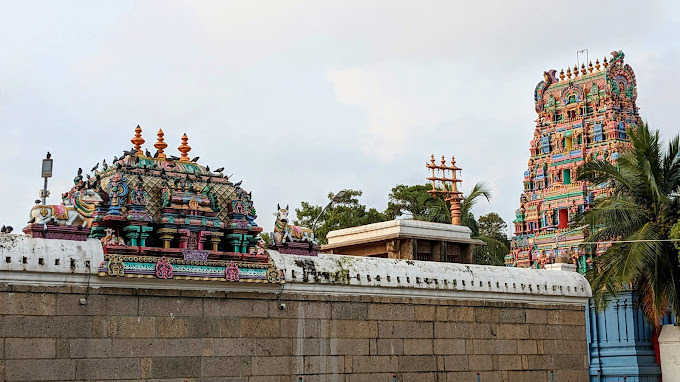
(67, 333)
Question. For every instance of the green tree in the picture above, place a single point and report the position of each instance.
(346, 213)
(410, 202)
(637, 216)
(438, 210)
(492, 230)
(492, 225)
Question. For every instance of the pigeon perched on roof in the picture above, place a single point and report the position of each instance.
(49, 155)
(156, 154)
(3, 229)
(220, 169)
(172, 157)
(9, 229)
(95, 167)
(196, 159)
(147, 153)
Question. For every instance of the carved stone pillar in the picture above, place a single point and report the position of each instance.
(165, 235)
(183, 238)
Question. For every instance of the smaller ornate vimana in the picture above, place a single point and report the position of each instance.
(582, 116)
(162, 216)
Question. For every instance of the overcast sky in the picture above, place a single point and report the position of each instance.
(299, 98)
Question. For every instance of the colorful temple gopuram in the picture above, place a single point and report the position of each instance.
(582, 116)
(161, 216)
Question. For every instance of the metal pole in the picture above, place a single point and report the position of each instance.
(319, 215)
(44, 195)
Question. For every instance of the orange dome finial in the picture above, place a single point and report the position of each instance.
(160, 145)
(184, 148)
(137, 140)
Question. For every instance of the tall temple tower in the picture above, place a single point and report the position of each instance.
(582, 116)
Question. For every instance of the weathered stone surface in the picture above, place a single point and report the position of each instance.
(349, 346)
(170, 306)
(225, 366)
(28, 303)
(90, 348)
(70, 304)
(349, 311)
(40, 370)
(132, 327)
(405, 329)
(245, 337)
(176, 367)
(122, 368)
(20, 348)
(46, 326)
(418, 346)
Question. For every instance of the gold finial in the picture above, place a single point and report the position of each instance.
(568, 72)
(604, 62)
(575, 71)
(590, 66)
(583, 69)
(597, 64)
(160, 145)
(443, 161)
(562, 74)
(138, 141)
(184, 148)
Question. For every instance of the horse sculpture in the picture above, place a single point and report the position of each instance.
(284, 232)
(75, 210)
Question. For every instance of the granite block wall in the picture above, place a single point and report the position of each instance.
(119, 334)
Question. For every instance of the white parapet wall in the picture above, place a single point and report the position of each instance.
(407, 278)
(25, 260)
(669, 351)
(400, 229)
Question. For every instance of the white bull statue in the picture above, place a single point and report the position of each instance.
(289, 233)
(74, 211)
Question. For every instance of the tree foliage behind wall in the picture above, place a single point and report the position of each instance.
(412, 202)
(346, 213)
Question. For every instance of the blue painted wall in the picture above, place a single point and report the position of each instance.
(620, 343)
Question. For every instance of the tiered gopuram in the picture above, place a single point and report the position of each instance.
(161, 216)
(582, 116)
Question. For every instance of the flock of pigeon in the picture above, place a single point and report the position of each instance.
(6, 229)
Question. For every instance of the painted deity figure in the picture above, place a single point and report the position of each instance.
(111, 239)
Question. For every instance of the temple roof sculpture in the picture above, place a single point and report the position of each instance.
(161, 216)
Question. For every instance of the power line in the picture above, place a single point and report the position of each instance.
(629, 241)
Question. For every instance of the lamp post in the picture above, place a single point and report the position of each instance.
(46, 173)
(336, 198)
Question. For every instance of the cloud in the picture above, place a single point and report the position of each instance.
(299, 98)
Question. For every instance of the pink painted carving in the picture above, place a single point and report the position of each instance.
(231, 272)
(163, 269)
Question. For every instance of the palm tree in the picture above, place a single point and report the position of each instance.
(439, 211)
(637, 217)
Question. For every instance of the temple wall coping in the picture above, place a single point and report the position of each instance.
(399, 228)
(324, 274)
